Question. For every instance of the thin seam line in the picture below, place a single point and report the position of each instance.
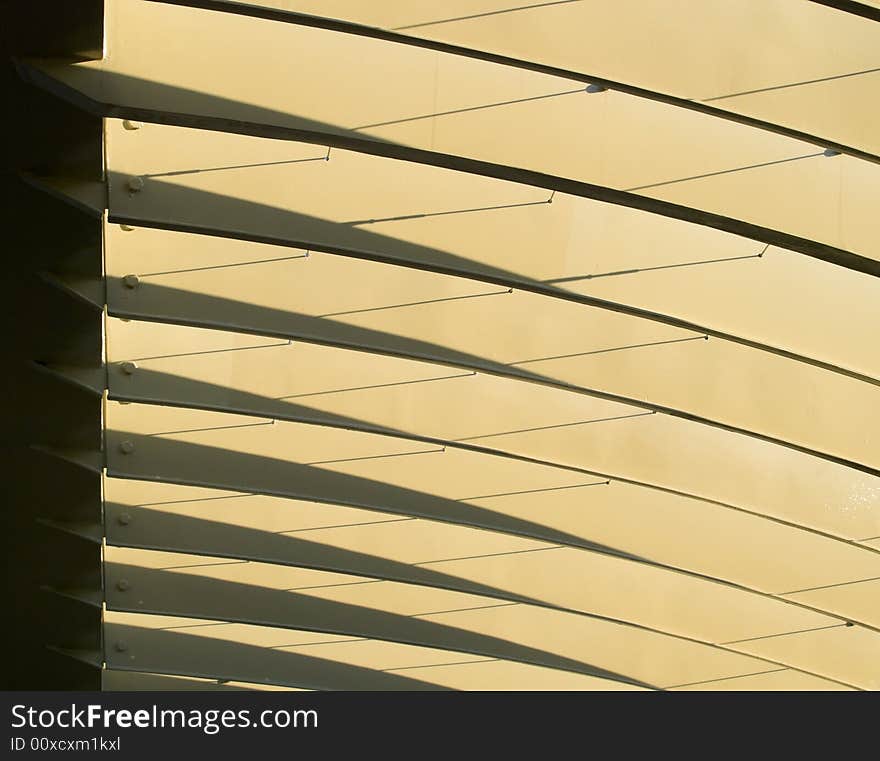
(727, 678)
(341, 584)
(201, 565)
(792, 84)
(466, 110)
(724, 171)
(378, 385)
(605, 351)
(226, 266)
(493, 554)
(831, 586)
(407, 217)
(212, 428)
(321, 642)
(482, 15)
(201, 499)
(343, 525)
(633, 271)
(459, 610)
(235, 166)
(533, 491)
(437, 665)
(416, 303)
(193, 626)
(783, 634)
(211, 351)
(560, 425)
(376, 456)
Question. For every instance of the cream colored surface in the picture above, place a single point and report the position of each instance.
(212, 64)
(441, 218)
(450, 405)
(364, 432)
(744, 46)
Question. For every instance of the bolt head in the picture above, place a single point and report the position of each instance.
(120, 647)
(126, 447)
(131, 281)
(127, 368)
(595, 88)
(123, 585)
(130, 124)
(135, 184)
(124, 519)
(126, 228)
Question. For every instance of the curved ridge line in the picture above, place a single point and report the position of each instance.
(814, 249)
(519, 284)
(478, 449)
(362, 30)
(502, 594)
(607, 619)
(541, 381)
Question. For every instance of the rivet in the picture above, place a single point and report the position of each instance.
(120, 647)
(131, 281)
(595, 88)
(123, 585)
(127, 228)
(128, 367)
(135, 184)
(130, 124)
(126, 447)
(124, 519)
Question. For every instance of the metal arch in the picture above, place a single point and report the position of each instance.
(308, 613)
(416, 350)
(359, 564)
(817, 250)
(347, 27)
(512, 282)
(586, 615)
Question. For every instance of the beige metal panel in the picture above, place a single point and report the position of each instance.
(197, 74)
(550, 340)
(139, 648)
(653, 449)
(861, 597)
(849, 652)
(630, 590)
(424, 216)
(651, 656)
(754, 45)
(244, 600)
(649, 530)
(778, 679)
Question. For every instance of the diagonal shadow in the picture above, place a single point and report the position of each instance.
(224, 115)
(170, 461)
(282, 227)
(157, 303)
(156, 530)
(193, 596)
(164, 652)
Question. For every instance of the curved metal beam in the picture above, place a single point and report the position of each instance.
(250, 405)
(194, 536)
(201, 312)
(501, 279)
(361, 30)
(822, 251)
(177, 594)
